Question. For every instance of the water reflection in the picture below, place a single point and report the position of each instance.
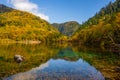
(60, 69)
(50, 62)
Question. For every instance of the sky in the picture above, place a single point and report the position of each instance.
(59, 11)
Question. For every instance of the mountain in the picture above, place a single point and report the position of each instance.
(67, 28)
(4, 8)
(20, 25)
(109, 10)
(103, 29)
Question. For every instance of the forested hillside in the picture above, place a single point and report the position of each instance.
(103, 29)
(67, 28)
(19, 25)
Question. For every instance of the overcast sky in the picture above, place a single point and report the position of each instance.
(59, 11)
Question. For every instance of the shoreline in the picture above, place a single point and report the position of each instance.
(29, 42)
(8, 41)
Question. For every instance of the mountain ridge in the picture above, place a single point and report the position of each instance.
(102, 30)
(67, 28)
(4, 8)
(20, 25)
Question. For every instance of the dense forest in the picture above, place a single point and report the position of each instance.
(19, 26)
(103, 29)
(67, 28)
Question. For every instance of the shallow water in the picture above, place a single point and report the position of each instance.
(60, 69)
(54, 62)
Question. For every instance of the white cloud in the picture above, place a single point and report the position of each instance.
(26, 5)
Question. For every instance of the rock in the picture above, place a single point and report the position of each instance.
(18, 58)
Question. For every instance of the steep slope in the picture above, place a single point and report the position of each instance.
(110, 9)
(103, 29)
(20, 25)
(4, 8)
(67, 28)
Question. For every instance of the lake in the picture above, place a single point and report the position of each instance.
(58, 62)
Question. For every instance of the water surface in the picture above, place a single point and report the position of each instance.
(59, 70)
(55, 62)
